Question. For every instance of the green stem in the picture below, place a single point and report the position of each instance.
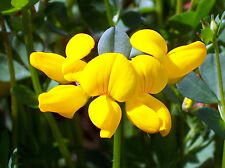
(117, 142)
(191, 5)
(179, 7)
(159, 8)
(109, 13)
(28, 38)
(117, 147)
(219, 74)
(14, 108)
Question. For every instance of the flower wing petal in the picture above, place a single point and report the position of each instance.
(50, 64)
(152, 75)
(63, 99)
(105, 114)
(184, 59)
(149, 114)
(150, 42)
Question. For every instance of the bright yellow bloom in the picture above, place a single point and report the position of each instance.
(64, 99)
(178, 62)
(143, 110)
(111, 77)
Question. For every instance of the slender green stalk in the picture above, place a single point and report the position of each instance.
(28, 38)
(179, 7)
(219, 74)
(117, 142)
(191, 5)
(159, 8)
(109, 13)
(117, 147)
(27, 30)
(14, 109)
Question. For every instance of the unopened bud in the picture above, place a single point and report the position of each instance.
(213, 25)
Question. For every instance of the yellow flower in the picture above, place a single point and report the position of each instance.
(64, 99)
(143, 110)
(178, 62)
(111, 77)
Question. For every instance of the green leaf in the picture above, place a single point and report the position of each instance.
(212, 118)
(25, 95)
(19, 3)
(207, 35)
(186, 18)
(20, 71)
(204, 8)
(5, 5)
(208, 71)
(194, 88)
(192, 18)
(129, 20)
(114, 40)
(93, 13)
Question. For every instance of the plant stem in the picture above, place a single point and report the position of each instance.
(117, 147)
(28, 38)
(109, 13)
(14, 108)
(159, 8)
(117, 141)
(191, 5)
(219, 74)
(179, 7)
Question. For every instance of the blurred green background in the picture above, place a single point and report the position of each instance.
(47, 25)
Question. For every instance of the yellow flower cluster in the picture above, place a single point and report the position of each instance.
(114, 78)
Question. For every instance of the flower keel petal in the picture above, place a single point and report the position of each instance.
(105, 114)
(149, 114)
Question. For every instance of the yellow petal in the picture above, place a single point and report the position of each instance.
(105, 114)
(150, 42)
(149, 114)
(184, 59)
(71, 70)
(79, 46)
(63, 99)
(175, 80)
(50, 64)
(111, 74)
(151, 72)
